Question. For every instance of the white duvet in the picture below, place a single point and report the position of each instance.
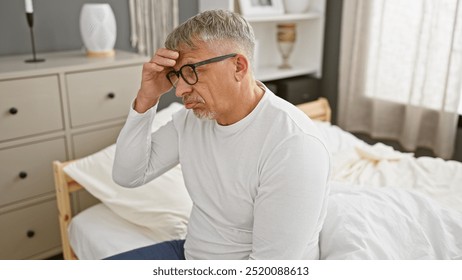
(361, 224)
(364, 223)
(383, 205)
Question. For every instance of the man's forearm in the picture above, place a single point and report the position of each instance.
(133, 150)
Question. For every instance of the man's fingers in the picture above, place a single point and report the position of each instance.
(165, 57)
(151, 67)
(163, 61)
(171, 54)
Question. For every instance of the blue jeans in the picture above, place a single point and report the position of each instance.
(168, 250)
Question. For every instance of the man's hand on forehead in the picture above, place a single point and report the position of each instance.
(164, 58)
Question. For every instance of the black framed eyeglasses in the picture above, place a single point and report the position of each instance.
(188, 71)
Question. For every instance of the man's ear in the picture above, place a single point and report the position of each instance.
(242, 67)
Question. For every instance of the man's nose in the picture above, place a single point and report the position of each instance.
(182, 87)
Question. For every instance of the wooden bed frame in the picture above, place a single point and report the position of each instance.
(66, 186)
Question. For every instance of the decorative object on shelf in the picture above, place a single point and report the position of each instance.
(98, 29)
(286, 36)
(307, 55)
(296, 6)
(261, 7)
(30, 22)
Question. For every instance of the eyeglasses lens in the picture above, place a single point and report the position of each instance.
(188, 74)
(173, 78)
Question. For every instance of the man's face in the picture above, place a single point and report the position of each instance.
(210, 96)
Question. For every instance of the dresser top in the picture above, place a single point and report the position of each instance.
(69, 61)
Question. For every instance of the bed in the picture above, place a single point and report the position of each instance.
(383, 204)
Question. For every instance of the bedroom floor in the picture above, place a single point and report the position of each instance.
(57, 257)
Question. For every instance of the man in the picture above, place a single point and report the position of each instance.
(254, 165)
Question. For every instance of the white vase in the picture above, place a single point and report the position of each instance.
(98, 29)
(296, 6)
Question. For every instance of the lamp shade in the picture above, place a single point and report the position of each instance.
(98, 29)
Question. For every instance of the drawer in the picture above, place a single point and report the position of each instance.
(102, 95)
(29, 106)
(29, 231)
(26, 171)
(91, 142)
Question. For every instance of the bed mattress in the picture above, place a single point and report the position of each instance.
(383, 204)
(98, 232)
(361, 223)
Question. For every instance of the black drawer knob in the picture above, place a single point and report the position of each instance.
(111, 95)
(23, 175)
(13, 111)
(30, 233)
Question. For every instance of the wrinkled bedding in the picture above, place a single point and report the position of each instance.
(383, 204)
(364, 223)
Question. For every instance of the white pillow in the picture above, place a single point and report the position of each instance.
(162, 205)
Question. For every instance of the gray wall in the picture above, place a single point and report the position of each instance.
(56, 24)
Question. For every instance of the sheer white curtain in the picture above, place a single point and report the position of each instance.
(401, 71)
(151, 21)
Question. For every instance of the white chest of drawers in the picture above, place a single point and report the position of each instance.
(64, 108)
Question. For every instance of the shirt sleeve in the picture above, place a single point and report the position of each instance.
(142, 155)
(290, 204)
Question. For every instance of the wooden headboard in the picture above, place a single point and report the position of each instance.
(317, 110)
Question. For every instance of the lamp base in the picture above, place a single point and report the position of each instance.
(33, 60)
(101, 54)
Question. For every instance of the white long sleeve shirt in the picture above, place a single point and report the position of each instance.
(259, 186)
